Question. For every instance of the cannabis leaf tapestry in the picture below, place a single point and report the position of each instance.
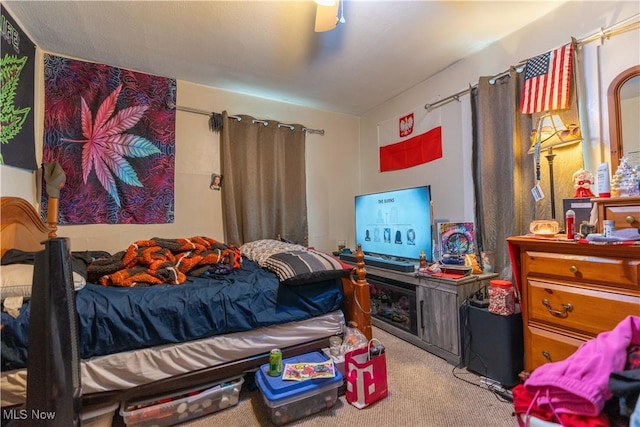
(113, 134)
(17, 138)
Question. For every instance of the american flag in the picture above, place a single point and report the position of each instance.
(547, 79)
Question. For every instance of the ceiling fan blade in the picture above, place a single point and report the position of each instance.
(326, 17)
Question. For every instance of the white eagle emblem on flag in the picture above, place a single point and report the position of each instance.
(406, 125)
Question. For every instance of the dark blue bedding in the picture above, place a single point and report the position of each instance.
(113, 319)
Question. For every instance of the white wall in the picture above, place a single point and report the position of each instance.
(343, 162)
(332, 172)
(450, 176)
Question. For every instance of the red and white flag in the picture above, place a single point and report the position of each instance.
(410, 140)
(547, 81)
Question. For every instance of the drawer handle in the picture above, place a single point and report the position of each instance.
(546, 355)
(630, 219)
(573, 269)
(566, 308)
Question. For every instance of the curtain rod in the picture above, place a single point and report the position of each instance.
(455, 96)
(264, 122)
(618, 28)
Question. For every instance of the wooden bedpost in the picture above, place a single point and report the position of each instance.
(356, 295)
(52, 216)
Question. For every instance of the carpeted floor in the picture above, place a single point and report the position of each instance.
(424, 391)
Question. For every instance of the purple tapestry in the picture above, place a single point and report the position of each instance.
(113, 132)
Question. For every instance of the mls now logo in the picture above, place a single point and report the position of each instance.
(24, 414)
(406, 125)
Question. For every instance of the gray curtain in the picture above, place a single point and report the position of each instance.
(503, 172)
(264, 191)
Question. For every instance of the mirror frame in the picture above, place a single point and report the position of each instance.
(615, 122)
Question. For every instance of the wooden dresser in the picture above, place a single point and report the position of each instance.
(625, 211)
(571, 292)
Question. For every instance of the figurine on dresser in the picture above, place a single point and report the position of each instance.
(582, 182)
(625, 182)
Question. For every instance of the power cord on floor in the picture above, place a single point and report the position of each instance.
(502, 394)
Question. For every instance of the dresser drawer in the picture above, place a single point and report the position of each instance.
(624, 216)
(571, 292)
(546, 346)
(607, 271)
(578, 309)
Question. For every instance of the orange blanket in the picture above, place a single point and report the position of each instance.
(158, 261)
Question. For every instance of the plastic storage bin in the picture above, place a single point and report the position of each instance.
(289, 400)
(183, 406)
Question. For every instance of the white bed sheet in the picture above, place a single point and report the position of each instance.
(133, 368)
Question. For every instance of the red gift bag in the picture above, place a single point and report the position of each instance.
(366, 375)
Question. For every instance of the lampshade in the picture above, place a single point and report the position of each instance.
(326, 15)
(551, 132)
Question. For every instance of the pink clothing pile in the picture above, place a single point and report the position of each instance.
(579, 385)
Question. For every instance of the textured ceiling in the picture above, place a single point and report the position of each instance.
(269, 48)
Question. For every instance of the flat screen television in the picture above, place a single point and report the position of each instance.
(395, 224)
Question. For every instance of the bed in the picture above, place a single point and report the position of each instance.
(224, 324)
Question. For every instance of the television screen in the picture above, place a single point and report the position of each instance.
(395, 223)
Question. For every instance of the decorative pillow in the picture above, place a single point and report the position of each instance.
(260, 250)
(16, 280)
(305, 266)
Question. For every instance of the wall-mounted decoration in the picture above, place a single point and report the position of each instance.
(17, 139)
(457, 239)
(216, 181)
(410, 140)
(113, 134)
(547, 80)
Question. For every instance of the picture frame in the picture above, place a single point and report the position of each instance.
(216, 181)
(456, 239)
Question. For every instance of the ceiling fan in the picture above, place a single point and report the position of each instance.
(327, 14)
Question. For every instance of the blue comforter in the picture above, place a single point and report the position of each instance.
(113, 319)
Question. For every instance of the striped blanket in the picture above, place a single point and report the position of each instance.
(159, 261)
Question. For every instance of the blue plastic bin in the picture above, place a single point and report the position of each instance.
(289, 400)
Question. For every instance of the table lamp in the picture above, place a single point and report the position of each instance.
(551, 132)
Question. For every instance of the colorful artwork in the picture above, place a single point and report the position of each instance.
(114, 136)
(17, 139)
(457, 238)
(306, 371)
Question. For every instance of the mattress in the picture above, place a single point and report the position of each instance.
(118, 320)
(133, 368)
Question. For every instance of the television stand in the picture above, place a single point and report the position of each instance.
(401, 266)
(430, 307)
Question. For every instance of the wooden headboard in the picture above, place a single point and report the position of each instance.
(22, 228)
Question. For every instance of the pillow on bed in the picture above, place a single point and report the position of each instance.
(305, 266)
(260, 250)
(16, 280)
